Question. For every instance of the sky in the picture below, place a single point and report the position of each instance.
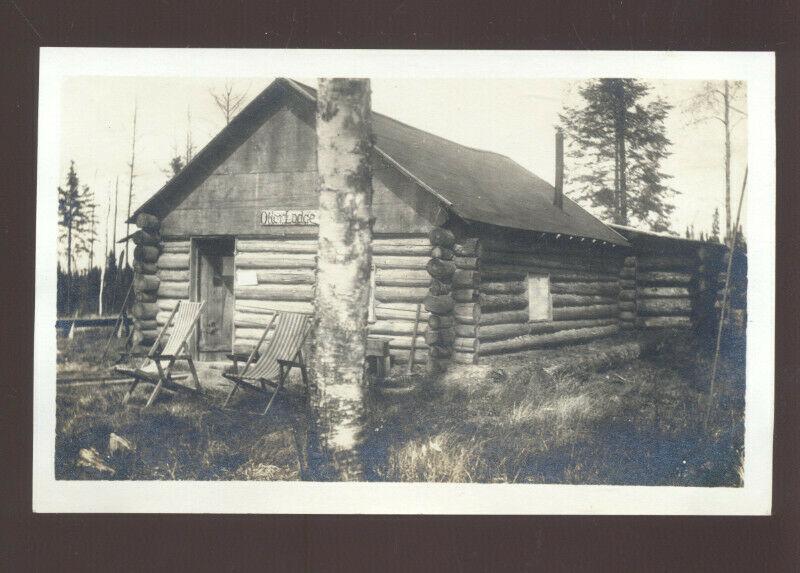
(515, 117)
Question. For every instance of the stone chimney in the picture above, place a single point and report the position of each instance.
(558, 197)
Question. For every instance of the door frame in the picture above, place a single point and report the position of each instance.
(194, 285)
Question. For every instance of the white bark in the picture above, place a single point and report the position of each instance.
(342, 286)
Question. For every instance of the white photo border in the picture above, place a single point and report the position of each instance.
(754, 498)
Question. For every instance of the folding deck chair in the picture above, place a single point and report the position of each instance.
(272, 367)
(183, 320)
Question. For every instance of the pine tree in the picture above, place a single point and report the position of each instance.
(73, 218)
(616, 142)
(715, 226)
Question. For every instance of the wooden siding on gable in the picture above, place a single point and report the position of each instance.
(275, 169)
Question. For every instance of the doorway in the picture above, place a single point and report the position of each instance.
(214, 275)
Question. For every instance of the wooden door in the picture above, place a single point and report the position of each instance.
(215, 287)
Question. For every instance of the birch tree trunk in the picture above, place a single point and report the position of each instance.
(344, 147)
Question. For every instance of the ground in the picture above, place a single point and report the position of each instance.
(621, 411)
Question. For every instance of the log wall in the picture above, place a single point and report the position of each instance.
(146, 283)
(584, 289)
(667, 285)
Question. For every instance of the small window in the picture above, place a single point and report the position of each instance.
(539, 304)
(371, 314)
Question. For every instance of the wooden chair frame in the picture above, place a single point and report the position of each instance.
(284, 367)
(163, 379)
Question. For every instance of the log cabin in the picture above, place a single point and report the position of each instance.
(499, 259)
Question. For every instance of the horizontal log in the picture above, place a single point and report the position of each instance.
(510, 287)
(466, 330)
(583, 312)
(439, 269)
(277, 261)
(466, 279)
(398, 262)
(151, 324)
(627, 315)
(626, 325)
(401, 249)
(662, 292)
(396, 327)
(252, 320)
(627, 273)
(489, 333)
(664, 278)
(664, 306)
(439, 287)
(466, 263)
(627, 283)
(469, 247)
(627, 294)
(439, 304)
(465, 357)
(402, 277)
(175, 247)
(494, 272)
(172, 275)
(437, 352)
(490, 302)
(146, 253)
(175, 261)
(166, 304)
(442, 336)
(550, 339)
(467, 312)
(174, 290)
(146, 283)
(666, 322)
(142, 237)
(560, 300)
(401, 356)
(436, 321)
(629, 306)
(442, 253)
(665, 263)
(287, 246)
(411, 240)
(147, 336)
(585, 288)
(145, 296)
(148, 221)
(400, 294)
(250, 333)
(401, 341)
(466, 344)
(269, 306)
(465, 295)
(400, 311)
(439, 237)
(504, 317)
(144, 310)
(275, 292)
(286, 277)
(145, 268)
(558, 262)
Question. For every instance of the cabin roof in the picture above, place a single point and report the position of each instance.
(477, 185)
(635, 235)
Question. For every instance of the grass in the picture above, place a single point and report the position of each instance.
(546, 417)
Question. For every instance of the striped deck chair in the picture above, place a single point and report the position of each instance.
(272, 366)
(184, 319)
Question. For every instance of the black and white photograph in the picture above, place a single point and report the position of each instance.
(462, 292)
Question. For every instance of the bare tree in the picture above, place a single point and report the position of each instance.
(344, 147)
(228, 100)
(189, 146)
(716, 101)
(105, 254)
(130, 185)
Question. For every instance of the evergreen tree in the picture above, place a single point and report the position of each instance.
(616, 142)
(73, 220)
(715, 226)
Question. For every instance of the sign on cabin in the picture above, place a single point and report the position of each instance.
(289, 217)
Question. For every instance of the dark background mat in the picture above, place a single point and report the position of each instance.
(276, 543)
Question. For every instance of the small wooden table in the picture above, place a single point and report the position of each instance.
(378, 352)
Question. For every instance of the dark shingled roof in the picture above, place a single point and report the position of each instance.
(477, 185)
